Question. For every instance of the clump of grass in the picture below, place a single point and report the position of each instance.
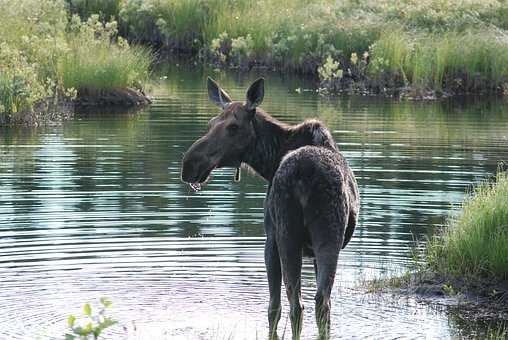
(94, 62)
(469, 62)
(475, 244)
(45, 57)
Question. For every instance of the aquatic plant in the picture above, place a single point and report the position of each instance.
(90, 324)
(475, 243)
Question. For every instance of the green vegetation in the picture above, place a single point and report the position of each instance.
(99, 64)
(455, 46)
(475, 244)
(47, 56)
(469, 257)
(90, 325)
(415, 46)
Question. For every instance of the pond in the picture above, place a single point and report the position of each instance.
(95, 207)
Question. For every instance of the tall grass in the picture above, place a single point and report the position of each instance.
(427, 44)
(94, 62)
(473, 61)
(45, 54)
(106, 66)
(475, 244)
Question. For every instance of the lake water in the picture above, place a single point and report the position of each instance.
(95, 207)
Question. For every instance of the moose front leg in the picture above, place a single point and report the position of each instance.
(273, 271)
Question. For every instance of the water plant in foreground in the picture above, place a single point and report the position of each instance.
(91, 324)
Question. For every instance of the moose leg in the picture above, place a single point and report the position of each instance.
(272, 263)
(327, 266)
(327, 234)
(315, 269)
(291, 258)
(273, 271)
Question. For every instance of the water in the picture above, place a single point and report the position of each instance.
(95, 207)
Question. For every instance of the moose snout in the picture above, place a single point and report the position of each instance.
(197, 162)
(189, 172)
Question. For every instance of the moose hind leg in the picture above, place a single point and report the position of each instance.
(327, 238)
(327, 266)
(291, 260)
(289, 234)
(273, 271)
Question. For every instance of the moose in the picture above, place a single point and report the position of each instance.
(312, 203)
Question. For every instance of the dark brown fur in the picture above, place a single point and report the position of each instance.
(312, 201)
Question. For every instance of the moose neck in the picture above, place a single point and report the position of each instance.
(266, 153)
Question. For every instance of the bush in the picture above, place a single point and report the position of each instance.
(106, 9)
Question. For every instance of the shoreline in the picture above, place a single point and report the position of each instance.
(354, 82)
(51, 111)
(479, 300)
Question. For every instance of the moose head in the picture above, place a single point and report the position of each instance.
(229, 136)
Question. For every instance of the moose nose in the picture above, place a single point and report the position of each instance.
(188, 173)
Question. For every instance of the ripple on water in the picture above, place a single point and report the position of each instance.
(96, 208)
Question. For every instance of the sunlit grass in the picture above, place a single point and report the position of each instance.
(105, 66)
(425, 44)
(47, 55)
(472, 61)
(475, 244)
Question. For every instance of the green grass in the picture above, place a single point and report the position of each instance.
(473, 61)
(46, 54)
(427, 44)
(105, 67)
(475, 244)
(95, 63)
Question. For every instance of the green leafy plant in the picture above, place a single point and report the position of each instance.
(90, 325)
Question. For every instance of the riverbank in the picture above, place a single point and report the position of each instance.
(413, 49)
(468, 261)
(51, 62)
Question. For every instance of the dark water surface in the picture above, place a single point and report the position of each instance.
(96, 208)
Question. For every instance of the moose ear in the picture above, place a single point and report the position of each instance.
(255, 94)
(217, 95)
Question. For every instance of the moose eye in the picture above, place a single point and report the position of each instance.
(233, 128)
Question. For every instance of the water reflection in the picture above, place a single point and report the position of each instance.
(96, 207)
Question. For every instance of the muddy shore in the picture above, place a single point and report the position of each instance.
(483, 300)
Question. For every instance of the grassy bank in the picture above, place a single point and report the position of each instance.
(468, 259)
(48, 57)
(414, 46)
(475, 244)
